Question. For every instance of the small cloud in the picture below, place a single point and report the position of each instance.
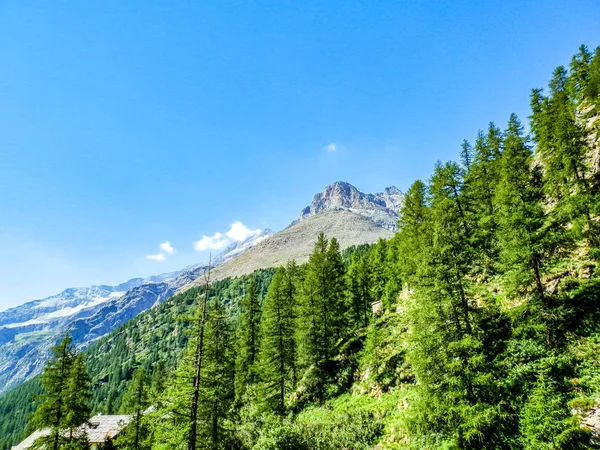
(167, 247)
(158, 257)
(237, 232)
(333, 147)
(214, 242)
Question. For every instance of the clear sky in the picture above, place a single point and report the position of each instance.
(129, 124)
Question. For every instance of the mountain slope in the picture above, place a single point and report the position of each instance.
(341, 210)
(297, 241)
(30, 330)
(27, 332)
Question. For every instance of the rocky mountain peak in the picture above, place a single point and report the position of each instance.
(383, 208)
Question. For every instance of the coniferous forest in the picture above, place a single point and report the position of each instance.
(477, 326)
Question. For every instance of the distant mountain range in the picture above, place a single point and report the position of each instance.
(27, 332)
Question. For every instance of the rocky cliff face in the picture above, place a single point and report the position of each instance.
(382, 208)
(27, 332)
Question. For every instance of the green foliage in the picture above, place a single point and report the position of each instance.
(545, 421)
(248, 339)
(15, 407)
(322, 316)
(278, 351)
(63, 404)
(135, 401)
(487, 338)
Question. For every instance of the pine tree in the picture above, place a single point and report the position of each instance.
(53, 410)
(523, 238)
(562, 146)
(378, 272)
(135, 401)
(414, 235)
(314, 292)
(218, 379)
(248, 341)
(291, 294)
(197, 349)
(77, 401)
(159, 378)
(202, 383)
(481, 181)
(322, 310)
(335, 307)
(277, 356)
(466, 154)
(457, 401)
(181, 401)
(359, 289)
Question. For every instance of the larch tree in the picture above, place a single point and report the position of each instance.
(77, 402)
(277, 356)
(248, 339)
(135, 401)
(52, 410)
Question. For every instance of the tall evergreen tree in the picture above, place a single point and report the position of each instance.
(248, 340)
(207, 388)
(448, 332)
(278, 348)
(359, 289)
(218, 378)
(77, 401)
(181, 404)
(53, 410)
(314, 292)
(524, 240)
(562, 145)
(322, 314)
(481, 181)
(414, 235)
(135, 401)
(334, 311)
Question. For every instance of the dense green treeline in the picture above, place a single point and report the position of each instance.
(486, 334)
(154, 340)
(492, 341)
(241, 389)
(15, 408)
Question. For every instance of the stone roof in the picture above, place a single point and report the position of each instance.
(98, 429)
(101, 428)
(29, 440)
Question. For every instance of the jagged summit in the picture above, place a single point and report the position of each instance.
(382, 207)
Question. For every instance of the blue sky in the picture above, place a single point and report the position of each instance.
(125, 124)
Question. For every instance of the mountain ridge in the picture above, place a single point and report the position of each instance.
(28, 331)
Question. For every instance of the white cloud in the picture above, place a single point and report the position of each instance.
(331, 147)
(167, 247)
(237, 232)
(214, 242)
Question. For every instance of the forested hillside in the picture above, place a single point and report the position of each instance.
(487, 335)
